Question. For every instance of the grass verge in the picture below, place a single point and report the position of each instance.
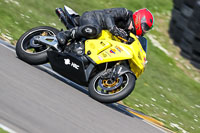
(168, 90)
(2, 131)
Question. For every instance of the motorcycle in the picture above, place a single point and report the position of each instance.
(107, 65)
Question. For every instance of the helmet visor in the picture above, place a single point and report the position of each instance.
(145, 27)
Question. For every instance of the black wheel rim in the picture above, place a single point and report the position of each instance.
(40, 48)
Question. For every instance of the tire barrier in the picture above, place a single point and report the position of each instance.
(184, 28)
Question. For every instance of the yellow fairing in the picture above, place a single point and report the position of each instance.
(108, 48)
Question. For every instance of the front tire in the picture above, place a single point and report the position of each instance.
(108, 95)
(34, 55)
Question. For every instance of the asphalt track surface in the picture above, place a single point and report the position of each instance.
(32, 100)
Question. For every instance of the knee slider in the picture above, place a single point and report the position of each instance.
(90, 31)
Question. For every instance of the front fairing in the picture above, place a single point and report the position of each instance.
(107, 48)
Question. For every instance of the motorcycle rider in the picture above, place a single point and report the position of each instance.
(119, 21)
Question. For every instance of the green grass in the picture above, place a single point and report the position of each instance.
(166, 91)
(17, 18)
(2, 131)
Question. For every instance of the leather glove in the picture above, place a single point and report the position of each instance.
(119, 32)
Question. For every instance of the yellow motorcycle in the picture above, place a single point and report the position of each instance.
(107, 65)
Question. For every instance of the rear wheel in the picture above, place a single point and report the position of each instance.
(109, 90)
(34, 54)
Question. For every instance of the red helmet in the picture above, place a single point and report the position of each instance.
(143, 21)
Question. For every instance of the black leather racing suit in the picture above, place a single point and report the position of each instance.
(92, 22)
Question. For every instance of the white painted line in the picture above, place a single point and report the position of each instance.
(7, 129)
(7, 47)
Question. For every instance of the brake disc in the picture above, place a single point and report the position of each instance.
(105, 85)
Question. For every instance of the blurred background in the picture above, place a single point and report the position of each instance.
(169, 89)
(185, 29)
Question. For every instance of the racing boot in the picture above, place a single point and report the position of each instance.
(64, 36)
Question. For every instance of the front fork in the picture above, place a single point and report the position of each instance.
(113, 73)
(117, 70)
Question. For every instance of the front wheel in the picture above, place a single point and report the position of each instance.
(34, 54)
(110, 91)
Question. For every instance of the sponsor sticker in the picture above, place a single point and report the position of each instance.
(100, 58)
(72, 64)
(113, 51)
(119, 49)
(124, 50)
(104, 55)
(108, 53)
(139, 56)
(67, 62)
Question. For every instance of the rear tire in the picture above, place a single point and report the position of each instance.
(26, 53)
